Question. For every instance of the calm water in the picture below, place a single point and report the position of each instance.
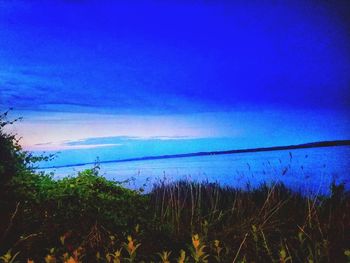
(303, 169)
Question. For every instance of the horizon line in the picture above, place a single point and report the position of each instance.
(184, 155)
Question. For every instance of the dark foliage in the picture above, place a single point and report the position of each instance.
(267, 224)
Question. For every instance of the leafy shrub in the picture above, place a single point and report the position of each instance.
(87, 218)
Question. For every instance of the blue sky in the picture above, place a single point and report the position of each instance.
(120, 80)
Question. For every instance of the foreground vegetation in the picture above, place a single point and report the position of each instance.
(90, 219)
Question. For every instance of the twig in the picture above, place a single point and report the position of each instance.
(25, 238)
(11, 222)
(240, 247)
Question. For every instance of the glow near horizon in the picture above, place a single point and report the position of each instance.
(255, 74)
(60, 128)
(63, 129)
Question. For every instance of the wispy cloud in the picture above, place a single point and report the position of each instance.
(123, 139)
(51, 88)
(95, 129)
(116, 62)
(67, 146)
(99, 142)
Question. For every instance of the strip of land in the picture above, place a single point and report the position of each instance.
(251, 150)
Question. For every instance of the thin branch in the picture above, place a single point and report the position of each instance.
(11, 222)
(240, 247)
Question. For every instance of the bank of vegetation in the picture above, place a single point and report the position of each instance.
(88, 218)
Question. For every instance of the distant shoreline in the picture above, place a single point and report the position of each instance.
(251, 150)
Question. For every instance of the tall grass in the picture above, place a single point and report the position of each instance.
(267, 224)
(193, 222)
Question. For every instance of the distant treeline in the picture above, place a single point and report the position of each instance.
(261, 149)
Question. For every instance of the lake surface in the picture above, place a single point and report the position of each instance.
(310, 170)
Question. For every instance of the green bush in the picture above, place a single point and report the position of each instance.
(16, 177)
(267, 224)
(36, 209)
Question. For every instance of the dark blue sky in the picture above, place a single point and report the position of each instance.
(252, 69)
